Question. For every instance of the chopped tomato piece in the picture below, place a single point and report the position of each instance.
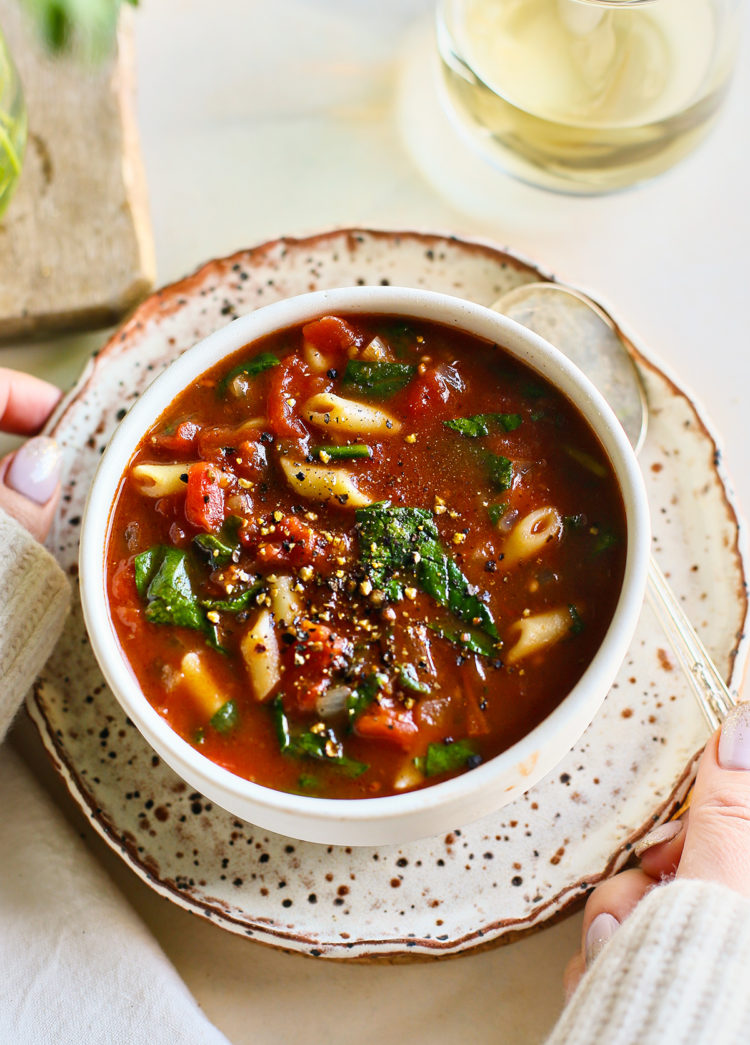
(125, 600)
(204, 500)
(476, 721)
(389, 723)
(294, 543)
(122, 585)
(331, 334)
(253, 461)
(316, 652)
(181, 441)
(428, 393)
(286, 388)
(217, 439)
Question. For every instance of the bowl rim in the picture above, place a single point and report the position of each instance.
(579, 705)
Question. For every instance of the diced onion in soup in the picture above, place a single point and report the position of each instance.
(333, 701)
(408, 776)
(377, 352)
(260, 651)
(334, 413)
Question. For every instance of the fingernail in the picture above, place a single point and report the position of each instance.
(662, 833)
(734, 739)
(601, 931)
(35, 469)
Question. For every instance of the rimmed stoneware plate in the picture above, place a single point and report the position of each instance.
(481, 884)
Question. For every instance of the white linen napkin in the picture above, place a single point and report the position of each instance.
(77, 965)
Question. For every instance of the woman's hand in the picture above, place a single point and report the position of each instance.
(711, 843)
(30, 477)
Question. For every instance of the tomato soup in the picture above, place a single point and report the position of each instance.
(364, 555)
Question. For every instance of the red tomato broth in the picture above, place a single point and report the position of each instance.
(478, 701)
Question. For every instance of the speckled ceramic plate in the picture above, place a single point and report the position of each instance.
(481, 884)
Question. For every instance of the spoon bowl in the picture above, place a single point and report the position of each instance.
(583, 332)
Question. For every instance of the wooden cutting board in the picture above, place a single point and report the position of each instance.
(76, 247)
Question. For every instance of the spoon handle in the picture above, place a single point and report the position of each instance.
(707, 684)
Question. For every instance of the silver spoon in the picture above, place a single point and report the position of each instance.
(576, 325)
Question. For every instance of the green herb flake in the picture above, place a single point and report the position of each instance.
(281, 724)
(364, 693)
(576, 523)
(218, 552)
(220, 549)
(480, 424)
(226, 718)
(445, 758)
(313, 745)
(469, 639)
(577, 624)
(251, 368)
(341, 453)
(585, 460)
(310, 745)
(496, 512)
(500, 470)
(377, 380)
(605, 539)
(409, 679)
(236, 603)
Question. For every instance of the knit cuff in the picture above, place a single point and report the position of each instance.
(33, 606)
(675, 971)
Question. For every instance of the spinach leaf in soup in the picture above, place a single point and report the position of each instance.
(480, 424)
(447, 757)
(163, 579)
(377, 380)
(397, 542)
(500, 470)
(250, 369)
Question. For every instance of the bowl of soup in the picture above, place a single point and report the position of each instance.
(362, 565)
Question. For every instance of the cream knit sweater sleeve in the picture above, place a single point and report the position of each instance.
(34, 600)
(677, 972)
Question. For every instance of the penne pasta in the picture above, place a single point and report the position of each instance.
(201, 684)
(160, 480)
(538, 632)
(531, 533)
(317, 362)
(334, 413)
(320, 483)
(260, 651)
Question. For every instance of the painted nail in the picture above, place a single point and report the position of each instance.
(734, 739)
(600, 932)
(662, 833)
(35, 469)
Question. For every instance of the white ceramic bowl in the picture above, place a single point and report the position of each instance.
(443, 806)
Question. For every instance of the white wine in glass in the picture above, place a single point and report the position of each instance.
(584, 96)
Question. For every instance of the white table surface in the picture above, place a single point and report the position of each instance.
(260, 119)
